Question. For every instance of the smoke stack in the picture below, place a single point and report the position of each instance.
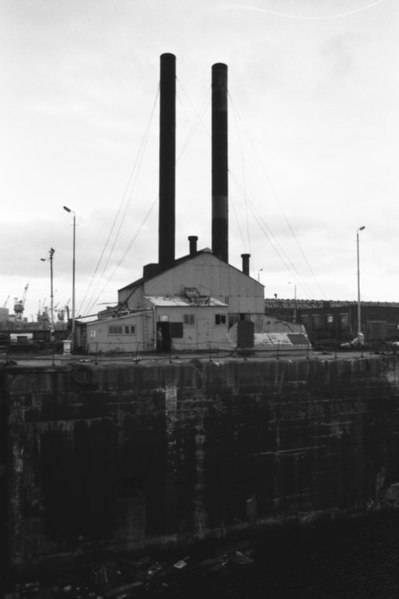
(219, 163)
(167, 160)
(193, 244)
(245, 263)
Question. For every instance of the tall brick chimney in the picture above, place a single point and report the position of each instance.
(167, 161)
(219, 162)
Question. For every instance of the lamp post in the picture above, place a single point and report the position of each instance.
(73, 276)
(295, 306)
(50, 258)
(359, 322)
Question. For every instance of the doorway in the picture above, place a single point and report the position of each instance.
(163, 337)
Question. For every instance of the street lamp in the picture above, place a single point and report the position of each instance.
(359, 322)
(50, 258)
(295, 306)
(73, 276)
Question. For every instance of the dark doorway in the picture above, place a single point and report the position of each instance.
(163, 337)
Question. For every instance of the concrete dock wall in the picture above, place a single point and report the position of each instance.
(125, 456)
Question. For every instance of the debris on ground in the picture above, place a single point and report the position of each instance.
(128, 578)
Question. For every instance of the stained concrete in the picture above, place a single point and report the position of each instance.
(128, 455)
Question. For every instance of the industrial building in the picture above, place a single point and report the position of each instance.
(199, 301)
(192, 305)
(334, 322)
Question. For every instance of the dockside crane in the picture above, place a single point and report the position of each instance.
(19, 305)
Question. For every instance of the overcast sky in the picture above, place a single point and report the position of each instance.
(313, 142)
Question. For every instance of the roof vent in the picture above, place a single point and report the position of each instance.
(193, 244)
(245, 263)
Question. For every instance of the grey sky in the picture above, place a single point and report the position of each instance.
(314, 140)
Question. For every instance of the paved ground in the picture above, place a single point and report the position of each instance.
(57, 360)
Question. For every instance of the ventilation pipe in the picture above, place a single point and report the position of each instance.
(245, 263)
(193, 244)
(219, 163)
(167, 161)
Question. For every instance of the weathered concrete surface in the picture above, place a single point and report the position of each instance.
(126, 456)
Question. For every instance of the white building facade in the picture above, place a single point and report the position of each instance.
(190, 306)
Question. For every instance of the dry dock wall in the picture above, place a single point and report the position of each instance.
(125, 456)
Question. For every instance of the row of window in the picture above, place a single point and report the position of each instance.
(122, 330)
(188, 319)
(321, 321)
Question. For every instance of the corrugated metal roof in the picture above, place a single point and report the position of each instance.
(184, 302)
(179, 261)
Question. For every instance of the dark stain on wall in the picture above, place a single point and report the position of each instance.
(78, 479)
(137, 455)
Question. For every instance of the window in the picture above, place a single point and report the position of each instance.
(92, 333)
(115, 330)
(330, 321)
(344, 319)
(176, 330)
(120, 330)
(188, 319)
(317, 321)
(129, 329)
(220, 318)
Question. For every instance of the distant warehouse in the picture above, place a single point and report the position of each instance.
(336, 321)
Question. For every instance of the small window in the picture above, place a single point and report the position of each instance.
(220, 318)
(115, 330)
(176, 330)
(317, 321)
(130, 329)
(92, 333)
(164, 318)
(344, 320)
(188, 319)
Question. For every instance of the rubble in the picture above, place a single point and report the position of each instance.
(306, 561)
(127, 578)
